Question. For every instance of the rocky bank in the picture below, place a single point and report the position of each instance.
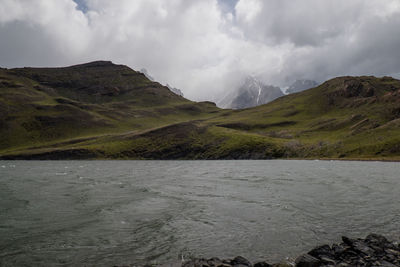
(373, 251)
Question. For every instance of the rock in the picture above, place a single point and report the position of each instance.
(328, 261)
(363, 248)
(378, 241)
(283, 264)
(214, 262)
(239, 260)
(387, 264)
(262, 264)
(169, 264)
(322, 251)
(373, 251)
(337, 249)
(196, 263)
(348, 241)
(393, 252)
(306, 260)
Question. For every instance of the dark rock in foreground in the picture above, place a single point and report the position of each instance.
(373, 251)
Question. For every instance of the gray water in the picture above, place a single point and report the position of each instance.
(104, 213)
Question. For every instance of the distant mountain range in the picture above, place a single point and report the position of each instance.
(146, 73)
(101, 110)
(173, 89)
(252, 92)
(301, 85)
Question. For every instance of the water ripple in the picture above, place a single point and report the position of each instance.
(106, 213)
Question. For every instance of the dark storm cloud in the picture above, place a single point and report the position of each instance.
(327, 38)
(365, 46)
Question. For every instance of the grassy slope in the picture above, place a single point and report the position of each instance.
(101, 110)
(350, 117)
(41, 108)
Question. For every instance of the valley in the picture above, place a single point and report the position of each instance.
(101, 110)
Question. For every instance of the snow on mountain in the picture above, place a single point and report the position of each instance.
(252, 92)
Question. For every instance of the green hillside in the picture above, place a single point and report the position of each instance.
(346, 117)
(103, 110)
(40, 107)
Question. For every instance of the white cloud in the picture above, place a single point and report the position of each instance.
(205, 48)
(247, 11)
(42, 32)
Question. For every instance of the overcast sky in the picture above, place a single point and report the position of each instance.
(206, 46)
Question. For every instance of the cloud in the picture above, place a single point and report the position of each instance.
(207, 47)
(41, 32)
(327, 38)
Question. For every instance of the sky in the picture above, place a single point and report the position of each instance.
(205, 48)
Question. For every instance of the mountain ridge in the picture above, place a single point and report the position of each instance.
(252, 92)
(301, 85)
(101, 110)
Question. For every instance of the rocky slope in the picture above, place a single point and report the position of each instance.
(175, 90)
(373, 251)
(172, 89)
(346, 117)
(40, 106)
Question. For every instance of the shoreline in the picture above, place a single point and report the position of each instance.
(28, 158)
(373, 251)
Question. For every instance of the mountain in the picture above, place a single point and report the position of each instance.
(345, 117)
(175, 90)
(301, 85)
(44, 106)
(172, 89)
(250, 94)
(101, 110)
(146, 73)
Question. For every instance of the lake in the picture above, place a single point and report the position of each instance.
(105, 213)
